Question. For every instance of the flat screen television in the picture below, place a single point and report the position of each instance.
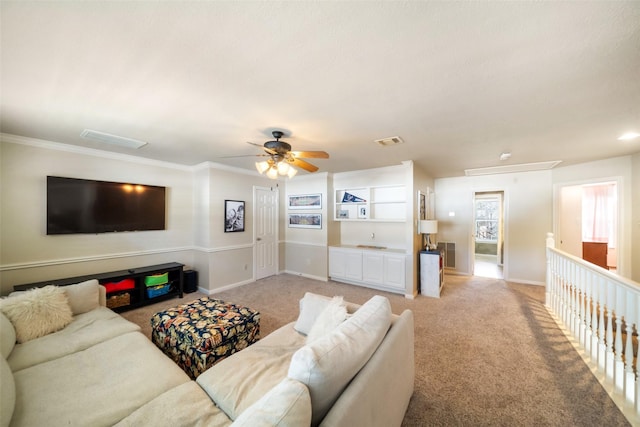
(87, 206)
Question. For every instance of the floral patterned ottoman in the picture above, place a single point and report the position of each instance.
(203, 332)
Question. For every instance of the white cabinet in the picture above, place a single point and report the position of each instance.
(382, 203)
(345, 264)
(380, 269)
(373, 267)
(431, 273)
(394, 270)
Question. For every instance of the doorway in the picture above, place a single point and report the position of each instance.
(265, 231)
(488, 234)
(587, 225)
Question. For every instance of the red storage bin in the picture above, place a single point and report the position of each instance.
(122, 285)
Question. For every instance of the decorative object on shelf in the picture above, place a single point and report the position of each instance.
(427, 228)
(305, 201)
(234, 216)
(305, 220)
(282, 160)
(343, 214)
(350, 198)
(363, 212)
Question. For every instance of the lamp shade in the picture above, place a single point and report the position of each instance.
(429, 226)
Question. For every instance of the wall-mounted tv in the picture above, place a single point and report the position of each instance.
(87, 206)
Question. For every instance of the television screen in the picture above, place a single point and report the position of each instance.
(86, 206)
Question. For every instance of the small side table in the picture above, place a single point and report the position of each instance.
(203, 332)
(431, 273)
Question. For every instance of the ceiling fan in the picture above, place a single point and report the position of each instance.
(281, 158)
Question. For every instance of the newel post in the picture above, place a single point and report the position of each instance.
(551, 243)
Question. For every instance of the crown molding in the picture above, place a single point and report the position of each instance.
(68, 148)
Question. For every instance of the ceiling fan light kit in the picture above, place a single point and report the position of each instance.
(282, 160)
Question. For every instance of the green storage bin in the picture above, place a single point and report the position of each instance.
(156, 279)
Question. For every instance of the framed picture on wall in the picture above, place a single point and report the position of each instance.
(422, 205)
(305, 201)
(234, 216)
(363, 212)
(305, 220)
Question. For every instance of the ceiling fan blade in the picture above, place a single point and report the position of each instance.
(268, 150)
(311, 154)
(303, 165)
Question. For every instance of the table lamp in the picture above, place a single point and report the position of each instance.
(428, 227)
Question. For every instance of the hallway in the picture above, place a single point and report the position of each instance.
(487, 266)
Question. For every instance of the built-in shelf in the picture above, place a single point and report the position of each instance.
(381, 203)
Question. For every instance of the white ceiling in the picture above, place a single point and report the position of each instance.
(460, 82)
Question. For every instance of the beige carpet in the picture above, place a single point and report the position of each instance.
(487, 352)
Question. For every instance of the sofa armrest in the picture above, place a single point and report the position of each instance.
(387, 381)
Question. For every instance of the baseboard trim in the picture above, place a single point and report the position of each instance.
(308, 276)
(226, 287)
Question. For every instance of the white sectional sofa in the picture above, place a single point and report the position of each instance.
(99, 370)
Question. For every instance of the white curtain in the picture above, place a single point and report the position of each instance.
(599, 213)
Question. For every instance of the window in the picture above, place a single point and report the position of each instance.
(487, 214)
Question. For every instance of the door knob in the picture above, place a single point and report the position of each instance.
(258, 239)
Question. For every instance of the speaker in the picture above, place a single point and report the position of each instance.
(190, 281)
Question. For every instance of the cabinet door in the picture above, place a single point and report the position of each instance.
(394, 271)
(353, 268)
(337, 263)
(372, 267)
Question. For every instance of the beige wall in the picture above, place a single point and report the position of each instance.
(195, 216)
(223, 259)
(305, 250)
(528, 207)
(620, 170)
(27, 254)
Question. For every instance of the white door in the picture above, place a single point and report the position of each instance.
(265, 226)
(569, 236)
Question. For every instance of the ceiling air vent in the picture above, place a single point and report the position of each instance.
(392, 140)
(112, 139)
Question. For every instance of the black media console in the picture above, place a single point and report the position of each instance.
(127, 299)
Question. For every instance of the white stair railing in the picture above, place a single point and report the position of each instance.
(593, 305)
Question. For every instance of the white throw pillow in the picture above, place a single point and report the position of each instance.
(311, 305)
(286, 405)
(328, 364)
(333, 315)
(37, 312)
(7, 336)
(83, 297)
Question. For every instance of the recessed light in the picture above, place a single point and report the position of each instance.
(628, 136)
(505, 156)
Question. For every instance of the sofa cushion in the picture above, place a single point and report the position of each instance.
(287, 404)
(239, 381)
(110, 381)
(84, 331)
(7, 393)
(37, 312)
(185, 405)
(311, 305)
(7, 336)
(84, 296)
(327, 364)
(329, 318)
